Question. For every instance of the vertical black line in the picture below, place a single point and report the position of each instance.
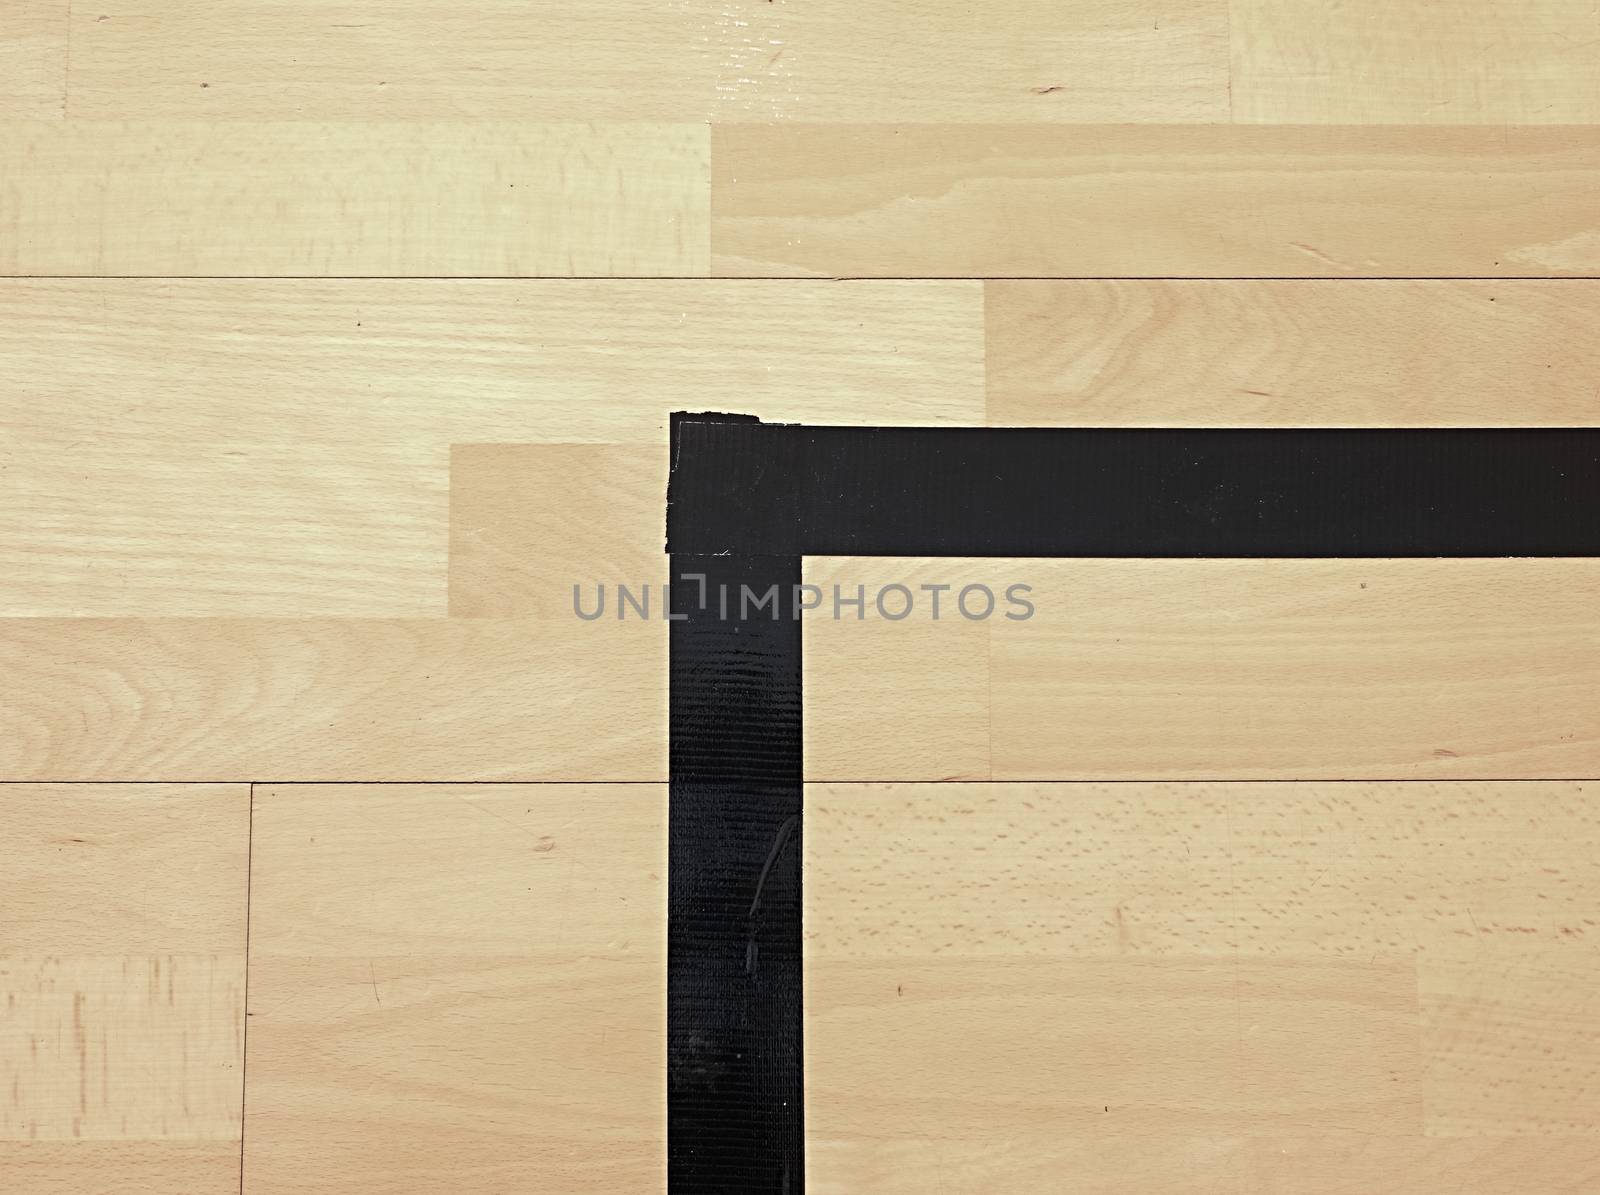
(735, 1109)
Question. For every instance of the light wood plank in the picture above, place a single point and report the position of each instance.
(92, 870)
(1367, 62)
(33, 60)
(1300, 669)
(127, 1047)
(1387, 961)
(1510, 1033)
(324, 199)
(312, 699)
(692, 61)
(1029, 1049)
(528, 522)
(1218, 201)
(279, 448)
(1305, 1164)
(458, 987)
(122, 966)
(1306, 353)
(1198, 669)
(886, 699)
(120, 1167)
(1463, 873)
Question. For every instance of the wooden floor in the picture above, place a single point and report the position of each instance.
(337, 342)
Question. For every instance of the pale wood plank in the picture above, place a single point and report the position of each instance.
(1306, 1164)
(1465, 873)
(694, 61)
(331, 699)
(887, 699)
(327, 199)
(1198, 669)
(122, 966)
(1215, 201)
(33, 60)
(1368, 62)
(1304, 353)
(458, 987)
(1027, 1048)
(89, 869)
(126, 1047)
(528, 522)
(1300, 669)
(276, 448)
(1510, 1032)
(120, 1167)
(1437, 931)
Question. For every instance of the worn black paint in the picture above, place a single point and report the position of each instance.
(748, 500)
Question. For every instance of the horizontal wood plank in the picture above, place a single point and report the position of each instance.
(695, 61)
(331, 699)
(507, 199)
(283, 448)
(1388, 962)
(1300, 354)
(1368, 62)
(1200, 669)
(1129, 200)
(120, 1167)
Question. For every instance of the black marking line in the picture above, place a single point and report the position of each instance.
(748, 500)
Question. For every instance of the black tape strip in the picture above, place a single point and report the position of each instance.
(849, 491)
(734, 1112)
(747, 500)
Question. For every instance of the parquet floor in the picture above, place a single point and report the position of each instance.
(338, 342)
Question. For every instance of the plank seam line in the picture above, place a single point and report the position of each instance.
(765, 278)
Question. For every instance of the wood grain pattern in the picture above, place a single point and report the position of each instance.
(120, 1167)
(33, 60)
(339, 342)
(458, 986)
(276, 448)
(513, 513)
(122, 959)
(1304, 354)
(1364, 62)
(1214, 201)
(890, 699)
(314, 699)
(139, 1048)
(1199, 669)
(326, 199)
(1245, 669)
(90, 869)
(1389, 962)
(691, 61)
(1304, 1164)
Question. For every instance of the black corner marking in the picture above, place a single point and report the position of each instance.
(747, 500)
